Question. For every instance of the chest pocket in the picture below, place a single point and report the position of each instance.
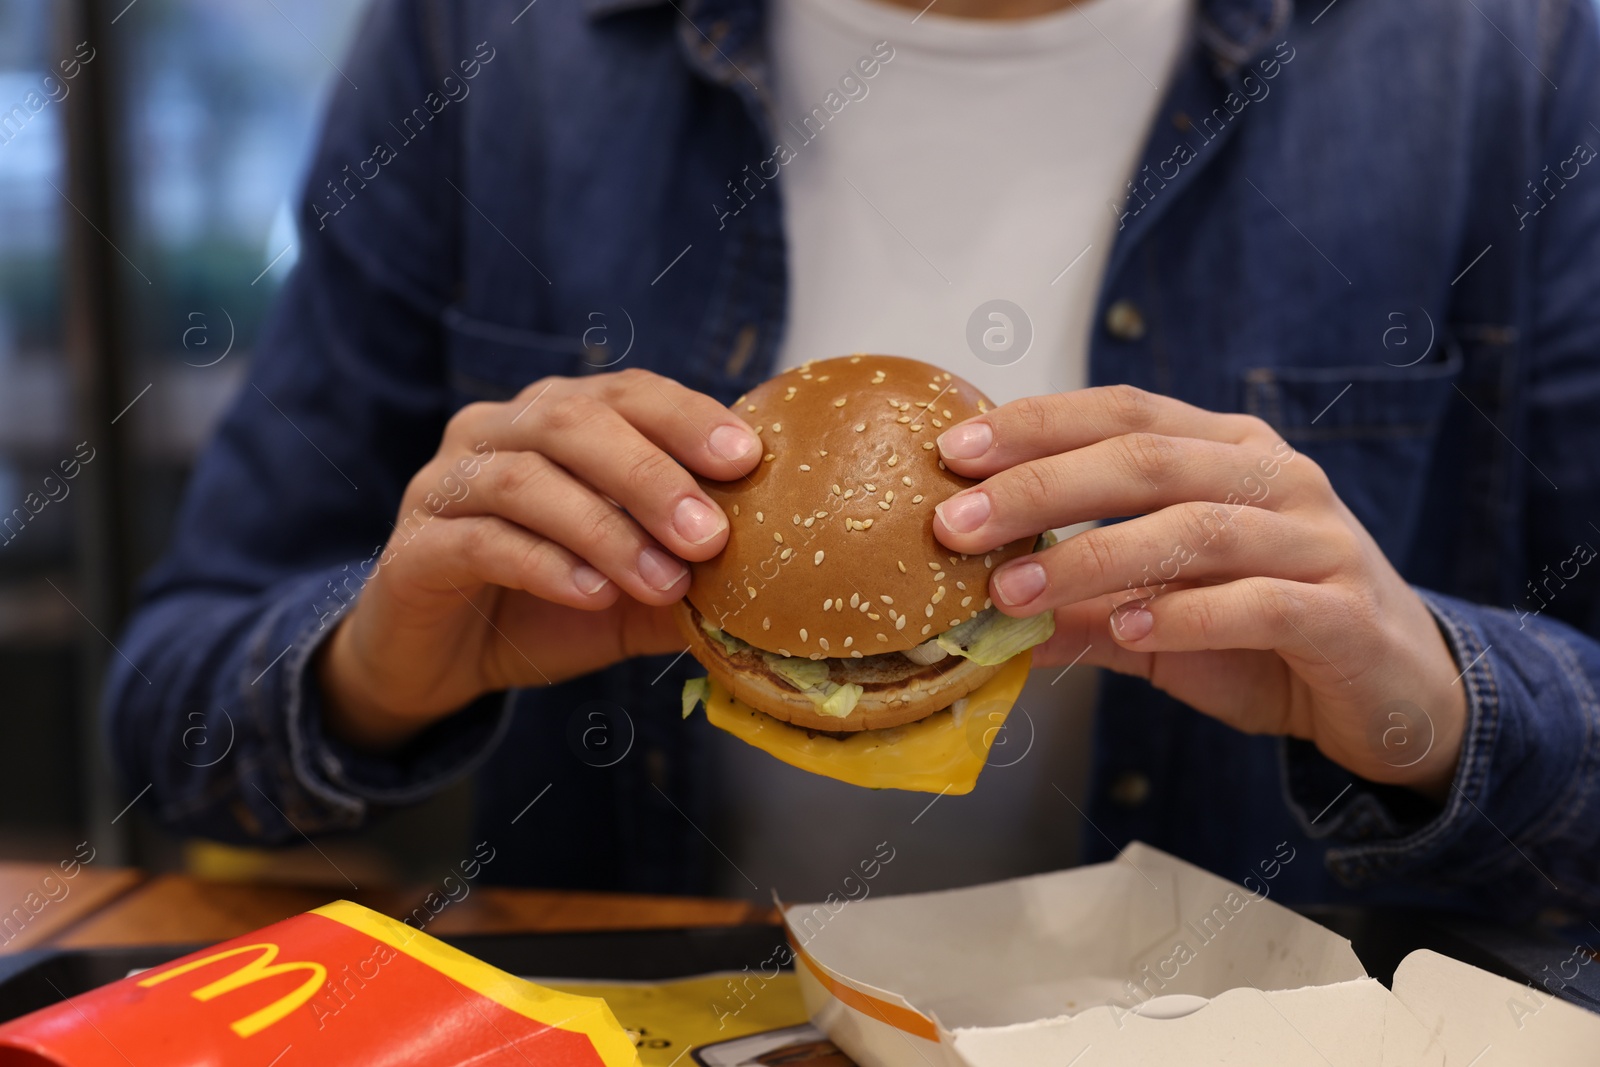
(488, 361)
(1373, 428)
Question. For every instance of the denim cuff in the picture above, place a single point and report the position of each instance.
(1381, 831)
(343, 781)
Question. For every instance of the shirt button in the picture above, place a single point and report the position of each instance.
(1130, 789)
(1124, 322)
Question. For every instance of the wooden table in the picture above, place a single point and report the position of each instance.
(127, 907)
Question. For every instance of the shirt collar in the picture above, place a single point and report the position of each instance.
(1233, 31)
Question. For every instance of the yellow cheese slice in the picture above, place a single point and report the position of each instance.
(935, 755)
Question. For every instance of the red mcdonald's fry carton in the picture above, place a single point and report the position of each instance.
(338, 985)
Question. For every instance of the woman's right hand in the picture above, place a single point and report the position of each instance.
(545, 539)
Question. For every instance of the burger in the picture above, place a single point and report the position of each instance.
(834, 627)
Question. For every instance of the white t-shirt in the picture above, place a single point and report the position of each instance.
(981, 161)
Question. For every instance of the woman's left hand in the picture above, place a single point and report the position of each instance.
(1243, 587)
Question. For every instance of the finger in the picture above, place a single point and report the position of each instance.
(537, 494)
(1189, 542)
(694, 428)
(604, 450)
(1261, 613)
(1046, 425)
(1128, 475)
(492, 550)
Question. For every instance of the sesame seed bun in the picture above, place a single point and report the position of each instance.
(831, 553)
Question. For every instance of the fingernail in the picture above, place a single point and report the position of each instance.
(588, 580)
(733, 442)
(1132, 621)
(967, 441)
(696, 521)
(1019, 583)
(965, 511)
(659, 570)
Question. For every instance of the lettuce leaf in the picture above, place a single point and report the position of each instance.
(694, 692)
(990, 638)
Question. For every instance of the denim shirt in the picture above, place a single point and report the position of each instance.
(1371, 224)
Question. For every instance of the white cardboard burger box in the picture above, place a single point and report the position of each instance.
(1145, 960)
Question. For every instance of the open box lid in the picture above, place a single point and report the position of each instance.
(1141, 958)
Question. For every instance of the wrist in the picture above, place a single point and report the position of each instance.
(353, 710)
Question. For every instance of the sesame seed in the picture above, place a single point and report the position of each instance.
(823, 378)
(987, 603)
(759, 429)
(786, 553)
(883, 638)
(900, 623)
(942, 466)
(902, 567)
(938, 576)
(867, 525)
(860, 426)
(751, 590)
(928, 611)
(892, 613)
(988, 561)
(982, 407)
(827, 605)
(777, 427)
(805, 466)
(945, 376)
(803, 636)
(816, 655)
(903, 419)
(855, 600)
(886, 599)
(889, 496)
(807, 377)
(937, 425)
(761, 517)
(778, 537)
(874, 616)
(768, 458)
(966, 601)
(784, 652)
(823, 453)
(749, 407)
(955, 622)
(946, 415)
(816, 561)
(838, 605)
(917, 499)
(736, 509)
(839, 403)
(849, 641)
(848, 493)
(871, 488)
(796, 521)
(865, 605)
(928, 446)
(823, 641)
(808, 523)
(934, 386)
(961, 585)
(916, 425)
(822, 514)
(856, 654)
(857, 359)
(939, 595)
(766, 624)
(884, 504)
(836, 489)
(894, 457)
(925, 629)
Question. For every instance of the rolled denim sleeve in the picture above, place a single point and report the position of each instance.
(213, 705)
(1520, 829)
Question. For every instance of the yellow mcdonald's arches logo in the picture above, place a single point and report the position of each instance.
(257, 969)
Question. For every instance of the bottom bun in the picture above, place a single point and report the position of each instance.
(894, 690)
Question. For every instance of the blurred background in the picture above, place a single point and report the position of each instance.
(146, 180)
